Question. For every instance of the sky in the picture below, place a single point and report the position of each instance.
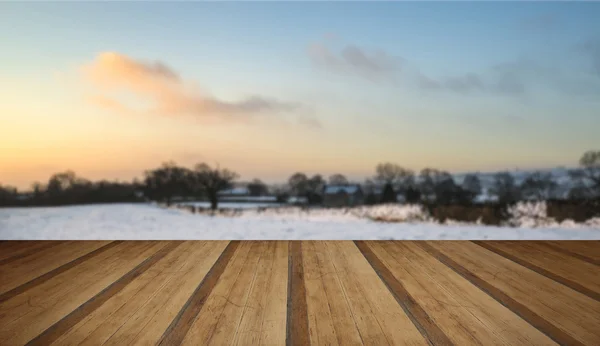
(272, 88)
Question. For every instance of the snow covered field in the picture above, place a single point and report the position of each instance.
(145, 221)
(233, 205)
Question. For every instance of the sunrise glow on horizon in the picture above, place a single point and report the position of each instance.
(109, 90)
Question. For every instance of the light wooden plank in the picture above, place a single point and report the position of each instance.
(20, 271)
(274, 318)
(580, 275)
(147, 324)
(347, 332)
(250, 327)
(571, 312)
(100, 325)
(35, 321)
(230, 318)
(205, 323)
(321, 325)
(378, 316)
(43, 296)
(13, 250)
(466, 314)
(587, 248)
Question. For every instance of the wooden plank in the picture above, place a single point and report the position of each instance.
(59, 328)
(413, 310)
(273, 328)
(25, 269)
(320, 320)
(51, 274)
(379, 318)
(84, 286)
(566, 316)
(466, 314)
(148, 324)
(567, 270)
(203, 326)
(571, 251)
(14, 252)
(251, 326)
(101, 324)
(297, 318)
(42, 296)
(347, 332)
(230, 317)
(589, 249)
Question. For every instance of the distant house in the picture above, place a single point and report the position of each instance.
(235, 192)
(24, 196)
(343, 195)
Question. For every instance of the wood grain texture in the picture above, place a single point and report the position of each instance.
(59, 328)
(377, 315)
(413, 310)
(48, 303)
(12, 252)
(584, 249)
(49, 275)
(559, 267)
(179, 327)
(297, 318)
(465, 313)
(328, 308)
(564, 315)
(304, 293)
(25, 269)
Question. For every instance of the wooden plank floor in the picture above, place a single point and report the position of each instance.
(299, 293)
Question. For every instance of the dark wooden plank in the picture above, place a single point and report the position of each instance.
(33, 247)
(567, 282)
(59, 328)
(430, 331)
(297, 310)
(521, 310)
(179, 327)
(49, 275)
(571, 253)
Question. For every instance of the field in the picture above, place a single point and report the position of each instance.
(299, 293)
(150, 222)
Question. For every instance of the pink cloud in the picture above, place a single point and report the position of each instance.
(167, 93)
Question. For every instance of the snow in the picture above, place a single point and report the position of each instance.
(147, 221)
(232, 205)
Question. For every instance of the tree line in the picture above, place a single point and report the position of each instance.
(430, 185)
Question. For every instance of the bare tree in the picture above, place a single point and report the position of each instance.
(212, 180)
(390, 173)
(166, 182)
(539, 186)
(298, 184)
(589, 174)
(338, 179)
(505, 188)
(471, 186)
(257, 188)
(438, 185)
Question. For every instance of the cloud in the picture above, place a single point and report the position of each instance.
(379, 66)
(374, 66)
(591, 48)
(544, 21)
(310, 122)
(515, 78)
(163, 91)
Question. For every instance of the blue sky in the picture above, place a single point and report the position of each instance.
(453, 85)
